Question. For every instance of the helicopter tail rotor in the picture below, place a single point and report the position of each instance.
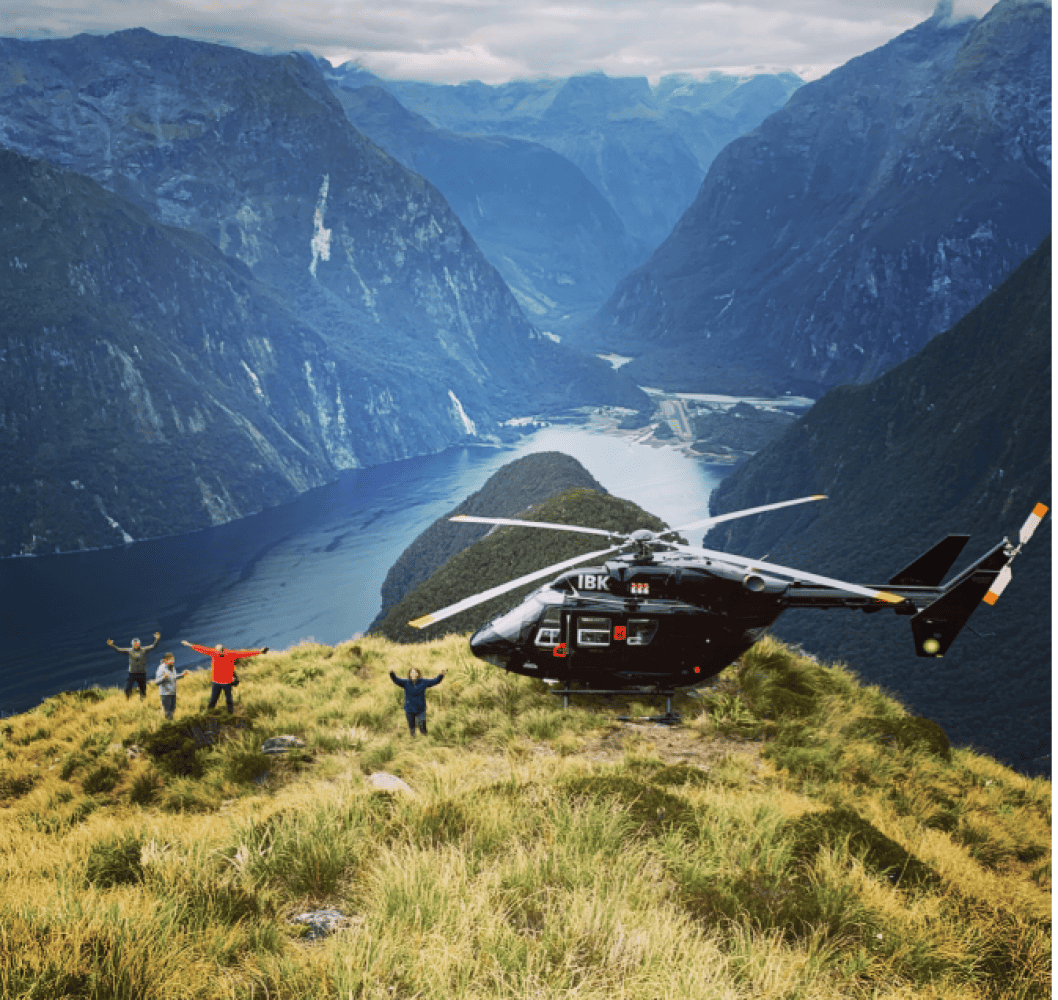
(936, 626)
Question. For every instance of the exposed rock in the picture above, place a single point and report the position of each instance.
(281, 744)
(389, 782)
(383, 333)
(321, 923)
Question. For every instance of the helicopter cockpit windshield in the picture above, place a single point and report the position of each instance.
(510, 625)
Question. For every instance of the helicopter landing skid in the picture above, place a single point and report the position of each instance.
(669, 718)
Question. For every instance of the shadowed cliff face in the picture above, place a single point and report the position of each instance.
(869, 214)
(150, 385)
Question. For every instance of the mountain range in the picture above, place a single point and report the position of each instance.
(416, 342)
(954, 440)
(866, 216)
(645, 148)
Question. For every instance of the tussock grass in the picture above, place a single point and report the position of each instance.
(864, 859)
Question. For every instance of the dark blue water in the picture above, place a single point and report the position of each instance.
(312, 568)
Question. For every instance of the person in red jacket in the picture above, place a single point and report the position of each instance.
(223, 668)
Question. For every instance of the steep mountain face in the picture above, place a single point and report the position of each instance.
(392, 333)
(955, 440)
(645, 149)
(150, 385)
(540, 222)
(866, 216)
(514, 488)
(256, 154)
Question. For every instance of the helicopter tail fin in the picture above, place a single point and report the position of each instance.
(928, 570)
(936, 626)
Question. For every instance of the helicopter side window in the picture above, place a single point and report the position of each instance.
(641, 631)
(549, 635)
(593, 631)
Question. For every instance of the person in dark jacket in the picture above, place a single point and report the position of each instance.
(223, 669)
(137, 664)
(415, 696)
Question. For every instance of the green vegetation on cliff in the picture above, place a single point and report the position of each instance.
(508, 553)
(506, 493)
(800, 835)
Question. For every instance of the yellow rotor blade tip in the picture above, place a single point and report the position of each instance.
(889, 598)
(1040, 509)
(421, 622)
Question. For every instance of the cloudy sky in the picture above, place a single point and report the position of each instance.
(496, 40)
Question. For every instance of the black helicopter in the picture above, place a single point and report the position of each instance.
(668, 615)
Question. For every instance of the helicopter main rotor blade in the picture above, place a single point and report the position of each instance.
(710, 521)
(535, 524)
(486, 595)
(797, 574)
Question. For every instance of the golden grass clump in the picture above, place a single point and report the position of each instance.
(800, 835)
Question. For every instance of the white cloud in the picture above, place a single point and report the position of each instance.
(497, 40)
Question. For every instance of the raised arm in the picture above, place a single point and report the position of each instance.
(118, 649)
(436, 680)
(157, 639)
(241, 653)
(399, 681)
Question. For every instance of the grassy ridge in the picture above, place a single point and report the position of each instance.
(507, 553)
(862, 858)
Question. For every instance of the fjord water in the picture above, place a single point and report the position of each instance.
(310, 568)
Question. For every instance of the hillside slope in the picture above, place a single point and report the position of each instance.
(506, 493)
(956, 440)
(798, 835)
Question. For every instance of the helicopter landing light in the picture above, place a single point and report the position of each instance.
(639, 588)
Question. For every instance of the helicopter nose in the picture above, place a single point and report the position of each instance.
(487, 644)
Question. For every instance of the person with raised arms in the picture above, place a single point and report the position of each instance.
(223, 669)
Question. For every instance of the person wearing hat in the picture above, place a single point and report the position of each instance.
(223, 669)
(137, 664)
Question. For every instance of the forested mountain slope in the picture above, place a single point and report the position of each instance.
(955, 440)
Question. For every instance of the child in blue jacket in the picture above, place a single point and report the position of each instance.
(415, 696)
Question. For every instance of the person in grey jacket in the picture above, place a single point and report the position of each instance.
(137, 664)
(415, 696)
(166, 679)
